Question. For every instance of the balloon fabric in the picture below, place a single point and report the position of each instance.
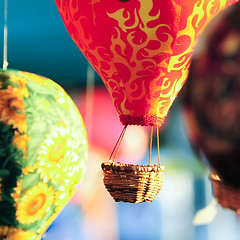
(43, 149)
(140, 48)
(211, 101)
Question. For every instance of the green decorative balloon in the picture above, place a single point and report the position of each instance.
(43, 151)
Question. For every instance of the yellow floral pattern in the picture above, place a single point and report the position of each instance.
(12, 109)
(11, 233)
(17, 192)
(57, 153)
(21, 141)
(35, 203)
(66, 191)
(43, 156)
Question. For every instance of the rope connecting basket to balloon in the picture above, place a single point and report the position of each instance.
(133, 183)
(227, 196)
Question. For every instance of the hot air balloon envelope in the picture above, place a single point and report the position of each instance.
(140, 48)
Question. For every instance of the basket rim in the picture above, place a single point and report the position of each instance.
(126, 167)
(217, 181)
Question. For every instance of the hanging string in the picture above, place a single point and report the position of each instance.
(89, 103)
(117, 145)
(158, 145)
(5, 33)
(150, 147)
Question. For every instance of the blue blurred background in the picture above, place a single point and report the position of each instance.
(39, 43)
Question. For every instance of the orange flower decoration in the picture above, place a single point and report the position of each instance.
(11, 233)
(17, 192)
(12, 109)
(21, 141)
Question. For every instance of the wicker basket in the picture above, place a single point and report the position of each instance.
(132, 183)
(227, 196)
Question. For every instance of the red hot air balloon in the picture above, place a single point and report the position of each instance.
(140, 48)
(142, 51)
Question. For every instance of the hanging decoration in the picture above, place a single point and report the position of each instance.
(43, 152)
(211, 105)
(141, 49)
(133, 183)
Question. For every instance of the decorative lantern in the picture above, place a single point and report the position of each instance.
(141, 49)
(43, 153)
(211, 105)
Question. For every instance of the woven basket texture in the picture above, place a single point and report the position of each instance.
(227, 196)
(132, 183)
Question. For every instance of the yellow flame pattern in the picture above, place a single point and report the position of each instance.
(141, 49)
